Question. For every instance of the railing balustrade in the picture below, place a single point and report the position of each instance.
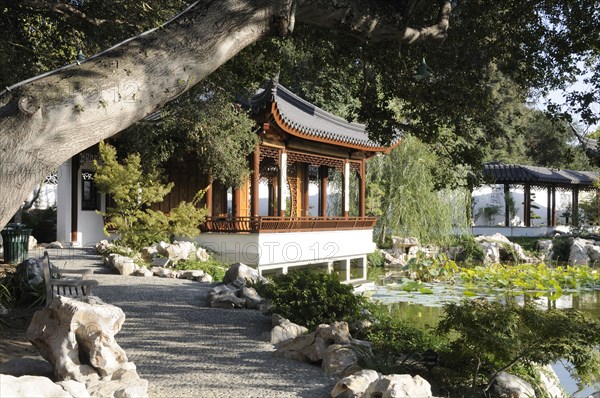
(285, 224)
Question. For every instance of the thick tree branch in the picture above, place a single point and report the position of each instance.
(46, 120)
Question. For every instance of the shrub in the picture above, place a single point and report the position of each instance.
(212, 267)
(376, 259)
(310, 298)
(42, 222)
(561, 248)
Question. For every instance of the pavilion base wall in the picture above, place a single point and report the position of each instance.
(340, 251)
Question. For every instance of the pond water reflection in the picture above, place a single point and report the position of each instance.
(425, 310)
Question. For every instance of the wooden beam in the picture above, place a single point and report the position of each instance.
(255, 182)
(346, 190)
(506, 208)
(305, 186)
(281, 195)
(362, 193)
(323, 180)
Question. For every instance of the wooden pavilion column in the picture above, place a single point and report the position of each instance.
(346, 190)
(208, 197)
(305, 198)
(74, 196)
(527, 206)
(506, 209)
(362, 192)
(323, 180)
(236, 202)
(549, 208)
(575, 207)
(281, 197)
(254, 199)
(553, 193)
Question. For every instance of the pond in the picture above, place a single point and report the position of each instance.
(425, 309)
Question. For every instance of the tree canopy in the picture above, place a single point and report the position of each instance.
(355, 57)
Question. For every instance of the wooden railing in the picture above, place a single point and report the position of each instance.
(285, 224)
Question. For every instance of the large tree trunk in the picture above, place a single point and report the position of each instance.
(45, 121)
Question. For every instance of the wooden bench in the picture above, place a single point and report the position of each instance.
(74, 287)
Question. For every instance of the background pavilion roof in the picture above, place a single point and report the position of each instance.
(502, 173)
(312, 121)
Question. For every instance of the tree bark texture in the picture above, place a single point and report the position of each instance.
(46, 120)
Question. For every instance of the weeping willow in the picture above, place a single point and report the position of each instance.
(401, 191)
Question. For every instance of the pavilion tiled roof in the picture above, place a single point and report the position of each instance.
(312, 121)
(502, 173)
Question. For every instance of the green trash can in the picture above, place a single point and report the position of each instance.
(15, 241)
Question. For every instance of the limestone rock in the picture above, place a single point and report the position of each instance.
(243, 272)
(69, 331)
(149, 253)
(224, 297)
(54, 245)
(162, 272)
(32, 243)
(337, 332)
(594, 254)
(27, 366)
(30, 386)
(339, 360)
(253, 300)
(512, 386)
(123, 264)
(595, 395)
(578, 255)
(75, 388)
(119, 388)
(404, 243)
(354, 386)
(161, 247)
(206, 278)
(491, 253)
(180, 250)
(285, 330)
(202, 254)
(32, 271)
(104, 246)
(143, 271)
(399, 386)
(545, 246)
(191, 274)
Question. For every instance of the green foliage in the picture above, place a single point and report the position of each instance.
(132, 193)
(561, 248)
(532, 277)
(15, 291)
(426, 269)
(42, 222)
(410, 204)
(204, 128)
(311, 298)
(375, 259)
(396, 343)
(489, 337)
(488, 213)
(470, 252)
(212, 267)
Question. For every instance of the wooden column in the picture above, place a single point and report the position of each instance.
(273, 201)
(236, 202)
(281, 197)
(305, 196)
(323, 179)
(255, 200)
(575, 207)
(346, 190)
(362, 192)
(506, 209)
(527, 206)
(553, 192)
(549, 208)
(208, 197)
(74, 197)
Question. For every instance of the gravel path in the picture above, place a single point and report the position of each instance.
(185, 349)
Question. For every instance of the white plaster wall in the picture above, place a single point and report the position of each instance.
(90, 225)
(494, 195)
(63, 203)
(266, 249)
